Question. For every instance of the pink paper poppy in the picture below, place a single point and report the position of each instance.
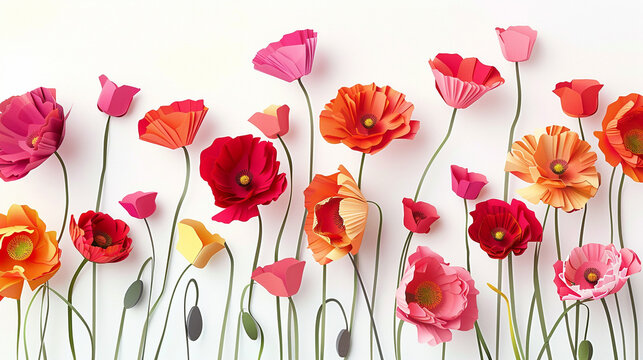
(289, 58)
(419, 216)
(140, 204)
(517, 42)
(115, 100)
(273, 121)
(460, 81)
(465, 184)
(282, 278)
(579, 97)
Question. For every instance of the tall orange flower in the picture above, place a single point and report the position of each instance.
(622, 137)
(28, 252)
(366, 118)
(336, 219)
(558, 164)
(173, 126)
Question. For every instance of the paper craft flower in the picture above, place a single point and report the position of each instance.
(28, 252)
(100, 238)
(282, 278)
(594, 271)
(465, 184)
(32, 127)
(115, 100)
(436, 297)
(516, 42)
(139, 204)
(243, 173)
(501, 228)
(173, 126)
(579, 97)
(273, 121)
(366, 118)
(461, 82)
(558, 164)
(336, 219)
(622, 137)
(196, 243)
(419, 216)
(289, 58)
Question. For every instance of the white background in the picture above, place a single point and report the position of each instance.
(175, 50)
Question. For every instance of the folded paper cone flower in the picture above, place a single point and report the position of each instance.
(283, 278)
(115, 100)
(173, 126)
(196, 243)
(100, 238)
(516, 42)
(465, 184)
(419, 216)
(273, 121)
(289, 58)
(579, 97)
(139, 204)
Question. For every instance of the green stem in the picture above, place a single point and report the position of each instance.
(283, 223)
(24, 328)
(529, 322)
(43, 328)
(398, 348)
(620, 323)
(122, 322)
(256, 260)
(376, 270)
(444, 350)
(536, 281)
(236, 342)
(513, 129)
(466, 233)
(65, 177)
(582, 228)
(296, 326)
(580, 126)
(481, 341)
(558, 253)
(94, 271)
(169, 307)
(551, 332)
(149, 298)
(322, 340)
(301, 234)
(227, 303)
(610, 207)
(361, 168)
(400, 268)
(281, 340)
(70, 324)
(512, 297)
(185, 315)
(312, 129)
(89, 332)
(19, 312)
(498, 303)
(609, 324)
(104, 167)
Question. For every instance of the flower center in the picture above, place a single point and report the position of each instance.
(592, 275)
(34, 141)
(20, 247)
(368, 121)
(418, 216)
(102, 240)
(498, 234)
(558, 166)
(428, 294)
(633, 141)
(244, 178)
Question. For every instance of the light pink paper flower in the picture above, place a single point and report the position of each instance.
(140, 204)
(516, 42)
(465, 184)
(282, 278)
(594, 271)
(115, 100)
(419, 216)
(289, 58)
(273, 121)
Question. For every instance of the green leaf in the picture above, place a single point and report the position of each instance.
(585, 350)
(133, 294)
(249, 325)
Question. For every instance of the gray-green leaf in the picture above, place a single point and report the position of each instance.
(133, 294)
(249, 325)
(194, 323)
(585, 350)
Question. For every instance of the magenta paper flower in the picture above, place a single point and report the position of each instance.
(465, 184)
(282, 278)
(289, 58)
(32, 127)
(115, 100)
(460, 81)
(140, 204)
(594, 271)
(436, 297)
(516, 42)
(419, 216)
(273, 121)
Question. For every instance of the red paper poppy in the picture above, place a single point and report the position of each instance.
(419, 216)
(579, 97)
(100, 238)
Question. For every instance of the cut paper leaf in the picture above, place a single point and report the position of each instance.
(579, 97)
(249, 325)
(585, 350)
(517, 42)
(139, 204)
(283, 278)
(194, 323)
(273, 121)
(343, 343)
(115, 100)
(133, 294)
(196, 243)
(289, 58)
(173, 126)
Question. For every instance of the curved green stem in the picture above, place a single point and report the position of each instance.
(317, 320)
(400, 268)
(553, 329)
(149, 297)
(43, 327)
(122, 322)
(498, 306)
(104, 167)
(361, 169)
(19, 312)
(185, 315)
(620, 323)
(558, 253)
(610, 206)
(283, 223)
(169, 307)
(256, 260)
(24, 328)
(70, 324)
(312, 129)
(466, 233)
(513, 129)
(511, 327)
(94, 273)
(66, 179)
(580, 126)
(296, 326)
(323, 318)
(281, 340)
(398, 348)
(89, 332)
(236, 342)
(539, 301)
(481, 341)
(376, 270)
(530, 319)
(512, 297)
(609, 324)
(227, 303)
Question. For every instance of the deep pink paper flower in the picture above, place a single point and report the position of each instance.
(282, 278)
(32, 127)
(460, 81)
(436, 297)
(289, 58)
(115, 100)
(140, 204)
(465, 184)
(594, 271)
(517, 42)
(273, 121)
(579, 97)
(419, 216)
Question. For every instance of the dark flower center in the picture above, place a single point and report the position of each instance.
(428, 295)
(418, 216)
(244, 178)
(633, 141)
(592, 275)
(102, 240)
(20, 247)
(558, 166)
(498, 234)
(368, 120)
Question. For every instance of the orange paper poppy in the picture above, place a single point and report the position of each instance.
(173, 126)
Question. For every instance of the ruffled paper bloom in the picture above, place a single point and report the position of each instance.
(465, 184)
(100, 238)
(579, 97)
(501, 228)
(28, 252)
(461, 82)
(366, 118)
(139, 204)
(196, 243)
(173, 126)
(419, 216)
(436, 297)
(273, 121)
(337, 213)
(243, 173)
(115, 100)
(32, 127)
(594, 271)
(559, 165)
(621, 140)
(289, 58)
(516, 42)
(282, 278)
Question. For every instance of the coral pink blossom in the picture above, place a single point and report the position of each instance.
(289, 58)
(273, 121)
(282, 278)
(100, 238)
(436, 297)
(465, 184)
(139, 204)
(594, 271)
(419, 216)
(517, 42)
(579, 97)
(115, 100)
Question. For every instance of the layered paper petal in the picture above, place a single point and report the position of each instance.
(419, 216)
(173, 126)
(196, 243)
(100, 238)
(289, 58)
(465, 184)
(139, 204)
(283, 278)
(579, 97)
(115, 100)
(273, 121)
(516, 42)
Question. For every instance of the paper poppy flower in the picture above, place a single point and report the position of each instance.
(115, 100)
(100, 238)
(419, 216)
(465, 184)
(366, 118)
(516, 42)
(32, 128)
(282, 278)
(594, 271)
(558, 164)
(579, 97)
(243, 173)
(289, 58)
(501, 228)
(196, 243)
(336, 219)
(436, 297)
(621, 140)
(461, 82)
(28, 252)
(139, 204)
(273, 121)
(173, 126)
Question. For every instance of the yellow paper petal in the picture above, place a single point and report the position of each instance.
(196, 243)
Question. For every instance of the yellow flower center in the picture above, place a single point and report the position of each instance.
(558, 166)
(633, 141)
(428, 295)
(498, 235)
(368, 121)
(34, 141)
(244, 180)
(592, 275)
(20, 247)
